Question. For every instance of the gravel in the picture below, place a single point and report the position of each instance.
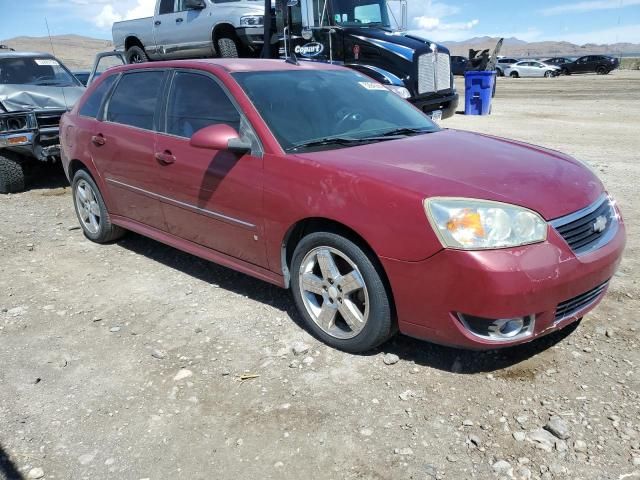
(108, 393)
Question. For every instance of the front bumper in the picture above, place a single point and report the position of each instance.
(251, 36)
(495, 284)
(446, 103)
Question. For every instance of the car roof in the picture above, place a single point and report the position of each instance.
(12, 54)
(233, 65)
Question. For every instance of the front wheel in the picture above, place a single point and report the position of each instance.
(227, 48)
(499, 72)
(339, 291)
(11, 174)
(92, 211)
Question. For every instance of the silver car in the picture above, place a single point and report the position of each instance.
(532, 68)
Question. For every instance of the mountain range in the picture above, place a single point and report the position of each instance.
(77, 52)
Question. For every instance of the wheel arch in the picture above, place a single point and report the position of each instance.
(305, 226)
(221, 30)
(132, 40)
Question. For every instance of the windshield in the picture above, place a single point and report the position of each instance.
(360, 13)
(307, 106)
(35, 71)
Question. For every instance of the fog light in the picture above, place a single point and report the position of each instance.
(502, 329)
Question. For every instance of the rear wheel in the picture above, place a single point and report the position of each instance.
(227, 48)
(11, 174)
(514, 75)
(92, 211)
(548, 74)
(136, 54)
(601, 70)
(565, 71)
(339, 292)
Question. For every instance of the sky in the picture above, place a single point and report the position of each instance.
(587, 21)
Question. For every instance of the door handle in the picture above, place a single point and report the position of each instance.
(98, 140)
(157, 22)
(165, 158)
(179, 20)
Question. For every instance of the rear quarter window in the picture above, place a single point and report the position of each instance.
(92, 105)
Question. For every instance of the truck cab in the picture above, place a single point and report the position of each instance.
(367, 36)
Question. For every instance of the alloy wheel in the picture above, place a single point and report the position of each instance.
(334, 292)
(88, 208)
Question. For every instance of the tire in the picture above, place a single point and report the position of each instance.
(565, 71)
(548, 74)
(11, 175)
(100, 230)
(514, 75)
(499, 72)
(136, 54)
(353, 269)
(601, 71)
(227, 48)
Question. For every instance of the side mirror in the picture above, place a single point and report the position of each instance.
(194, 4)
(220, 137)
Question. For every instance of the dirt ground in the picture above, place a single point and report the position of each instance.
(126, 361)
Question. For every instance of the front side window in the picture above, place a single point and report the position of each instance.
(197, 101)
(300, 107)
(43, 72)
(91, 106)
(135, 99)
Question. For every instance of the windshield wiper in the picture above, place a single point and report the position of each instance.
(321, 142)
(403, 131)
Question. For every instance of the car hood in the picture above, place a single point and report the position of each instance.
(464, 164)
(32, 97)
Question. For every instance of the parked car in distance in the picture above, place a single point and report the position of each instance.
(459, 64)
(531, 68)
(192, 29)
(503, 63)
(600, 64)
(316, 178)
(35, 90)
(82, 76)
(557, 61)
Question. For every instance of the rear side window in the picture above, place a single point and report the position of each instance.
(91, 106)
(135, 98)
(197, 101)
(166, 6)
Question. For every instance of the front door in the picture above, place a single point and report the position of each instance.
(212, 198)
(124, 147)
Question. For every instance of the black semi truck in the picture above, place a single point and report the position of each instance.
(360, 34)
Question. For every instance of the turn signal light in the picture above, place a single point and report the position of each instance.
(17, 140)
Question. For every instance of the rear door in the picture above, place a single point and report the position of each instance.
(212, 198)
(165, 27)
(582, 65)
(124, 147)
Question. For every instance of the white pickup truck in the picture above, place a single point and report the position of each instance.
(192, 29)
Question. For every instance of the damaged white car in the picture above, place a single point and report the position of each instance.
(36, 89)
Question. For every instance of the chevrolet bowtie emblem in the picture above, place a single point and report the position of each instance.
(600, 224)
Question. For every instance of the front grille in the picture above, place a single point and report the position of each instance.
(588, 228)
(48, 119)
(434, 72)
(571, 306)
(443, 72)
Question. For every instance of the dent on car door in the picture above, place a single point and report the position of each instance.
(211, 197)
(124, 147)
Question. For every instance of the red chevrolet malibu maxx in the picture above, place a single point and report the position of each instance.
(316, 178)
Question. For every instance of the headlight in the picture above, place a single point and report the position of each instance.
(400, 91)
(470, 224)
(252, 21)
